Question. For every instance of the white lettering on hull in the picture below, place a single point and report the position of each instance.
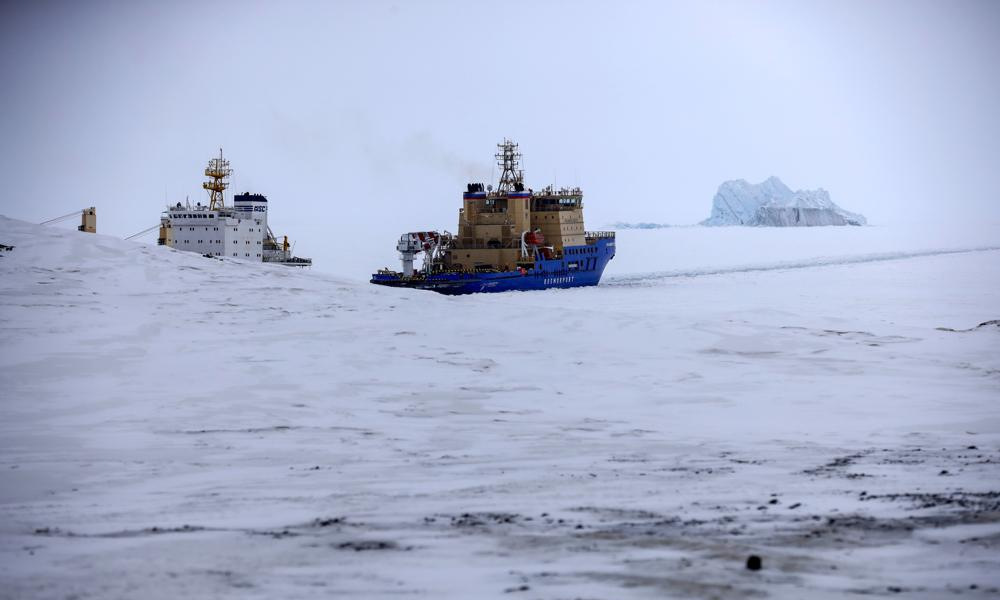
(558, 280)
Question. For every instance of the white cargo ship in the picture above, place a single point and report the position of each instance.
(216, 230)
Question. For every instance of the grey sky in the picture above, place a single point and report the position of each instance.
(373, 115)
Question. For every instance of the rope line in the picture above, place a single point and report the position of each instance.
(72, 214)
(143, 232)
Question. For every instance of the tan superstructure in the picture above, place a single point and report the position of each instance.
(492, 224)
(88, 220)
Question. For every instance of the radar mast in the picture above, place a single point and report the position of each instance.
(509, 161)
(218, 172)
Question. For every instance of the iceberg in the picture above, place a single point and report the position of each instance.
(772, 203)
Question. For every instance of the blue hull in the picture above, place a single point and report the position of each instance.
(581, 266)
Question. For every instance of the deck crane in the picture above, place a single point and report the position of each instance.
(420, 241)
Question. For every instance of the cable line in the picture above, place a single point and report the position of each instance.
(143, 232)
(62, 218)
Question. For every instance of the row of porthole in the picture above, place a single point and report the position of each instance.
(217, 242)
(216, 228)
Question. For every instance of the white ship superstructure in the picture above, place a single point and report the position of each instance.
(239, 231)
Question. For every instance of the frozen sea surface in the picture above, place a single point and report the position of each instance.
(175, 426)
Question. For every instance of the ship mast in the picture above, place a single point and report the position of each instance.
(509, 161)
(217, 171)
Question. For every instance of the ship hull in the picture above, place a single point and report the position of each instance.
(581, 266)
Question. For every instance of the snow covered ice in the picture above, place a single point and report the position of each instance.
(176, 426)
(773, 203)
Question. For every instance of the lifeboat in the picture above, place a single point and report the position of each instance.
(534, 238)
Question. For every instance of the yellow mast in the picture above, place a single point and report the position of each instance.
(217, 171)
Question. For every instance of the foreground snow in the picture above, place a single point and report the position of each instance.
(173, 426)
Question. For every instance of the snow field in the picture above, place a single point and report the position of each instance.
(175, 425)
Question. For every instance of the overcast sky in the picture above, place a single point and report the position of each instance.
(361, 120)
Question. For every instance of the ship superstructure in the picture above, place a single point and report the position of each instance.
(216, 230)
(510, 238)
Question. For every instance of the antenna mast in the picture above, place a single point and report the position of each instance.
(509, 161)
(217, 171)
